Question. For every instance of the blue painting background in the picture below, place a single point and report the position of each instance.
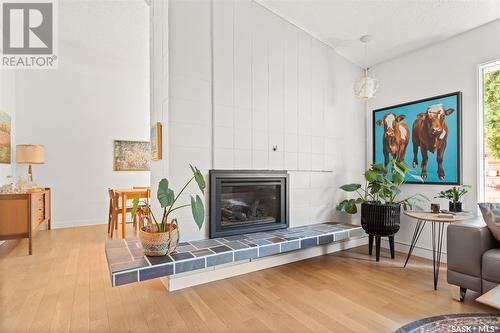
(450, 159)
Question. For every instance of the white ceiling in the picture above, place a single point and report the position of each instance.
(397, 26)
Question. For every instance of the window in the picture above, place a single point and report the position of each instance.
(489, 132)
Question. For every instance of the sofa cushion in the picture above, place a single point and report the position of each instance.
(491, 215)
(491, 265)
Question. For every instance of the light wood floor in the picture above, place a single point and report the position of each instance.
(65, 286)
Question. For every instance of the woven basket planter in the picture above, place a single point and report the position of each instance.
(157, 244)
(380, 220)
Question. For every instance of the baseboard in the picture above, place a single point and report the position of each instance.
(76, 223)
(418, 251)
(181, 281)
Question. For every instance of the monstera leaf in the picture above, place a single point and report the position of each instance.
(198, 177)
(165, 195)
(197, 210)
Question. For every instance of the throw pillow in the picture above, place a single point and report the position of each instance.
(491, 215)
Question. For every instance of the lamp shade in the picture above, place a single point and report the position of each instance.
(30, 154)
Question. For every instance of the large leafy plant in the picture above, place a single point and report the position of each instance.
(381, 189)
(167, 199)
(455, 193)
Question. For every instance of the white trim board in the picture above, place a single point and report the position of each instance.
(418, 251)
(189, 279)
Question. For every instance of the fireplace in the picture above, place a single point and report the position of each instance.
(244, 201)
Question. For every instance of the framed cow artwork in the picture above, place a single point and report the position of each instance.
(425, 134)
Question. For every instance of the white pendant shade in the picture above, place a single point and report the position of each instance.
(366, 87)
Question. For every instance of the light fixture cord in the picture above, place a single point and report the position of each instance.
(366, 61)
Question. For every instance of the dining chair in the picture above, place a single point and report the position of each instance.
(114, 211)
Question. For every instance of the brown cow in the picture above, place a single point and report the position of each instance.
(395, 139)
(430, 133)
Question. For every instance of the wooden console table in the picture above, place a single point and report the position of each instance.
(21, 215)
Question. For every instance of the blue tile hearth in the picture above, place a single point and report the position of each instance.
(128, 264)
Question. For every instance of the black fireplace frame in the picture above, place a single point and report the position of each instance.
(216, 176)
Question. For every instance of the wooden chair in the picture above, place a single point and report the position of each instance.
(114, 211)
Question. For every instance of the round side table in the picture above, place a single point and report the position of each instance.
(438, 224)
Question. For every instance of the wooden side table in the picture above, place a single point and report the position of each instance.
(438, 224)
(21, 215)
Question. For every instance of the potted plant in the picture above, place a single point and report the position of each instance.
(379, 200)
(454, 195)
(160, 237)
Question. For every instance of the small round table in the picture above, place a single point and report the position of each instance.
(437, 238)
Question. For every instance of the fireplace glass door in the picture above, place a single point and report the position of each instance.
(250, 203)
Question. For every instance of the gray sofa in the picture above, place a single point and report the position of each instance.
(473, 257)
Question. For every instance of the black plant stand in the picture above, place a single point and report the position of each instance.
(377, 245)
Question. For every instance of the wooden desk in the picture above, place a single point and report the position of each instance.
(438, 223)
(129, 194)
(21, 215)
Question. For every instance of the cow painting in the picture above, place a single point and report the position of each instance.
(395, 138)
(430, 134)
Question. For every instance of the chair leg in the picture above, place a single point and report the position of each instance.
(109, 216)
(113, 223)
(391, 245)
(370, 244)
(377, 247)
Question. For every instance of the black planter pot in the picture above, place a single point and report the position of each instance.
(455, 207)
(380, 220)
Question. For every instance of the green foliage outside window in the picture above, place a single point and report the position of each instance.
(492, 111)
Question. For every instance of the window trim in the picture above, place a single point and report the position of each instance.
(481, 70)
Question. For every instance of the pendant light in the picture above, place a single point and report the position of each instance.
(366, 87)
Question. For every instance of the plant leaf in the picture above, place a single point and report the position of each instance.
(348, 206)
(378, 167)
(165, 195)
(198, 210)
(135, 205)
(198, 177)
(350, 187)
(370, 175)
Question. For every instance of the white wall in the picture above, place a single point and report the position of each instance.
(265, 82)
(438, 69)
(99, 93)
(8, 105)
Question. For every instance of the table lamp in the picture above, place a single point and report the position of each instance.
(30, 154)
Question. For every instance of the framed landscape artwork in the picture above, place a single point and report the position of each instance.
(425, 134)
(5, 137)
(156, 137)
(131, 155)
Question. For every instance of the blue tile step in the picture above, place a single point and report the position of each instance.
(127, 262)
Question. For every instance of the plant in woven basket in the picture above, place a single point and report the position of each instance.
(168, 199)
(381, 189)
(161, 236)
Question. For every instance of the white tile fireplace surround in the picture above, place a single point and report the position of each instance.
(231, 82)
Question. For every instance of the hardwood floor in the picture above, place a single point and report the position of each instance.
(65, 286)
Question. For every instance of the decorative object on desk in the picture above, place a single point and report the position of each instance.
(165, 233)
(5, 137)
(30, 154)
(491, 215)
(435, 208)
(430, 125)
(131, 155)
(454, 195)
(156, 145)
(460, 322)
(380, 205)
